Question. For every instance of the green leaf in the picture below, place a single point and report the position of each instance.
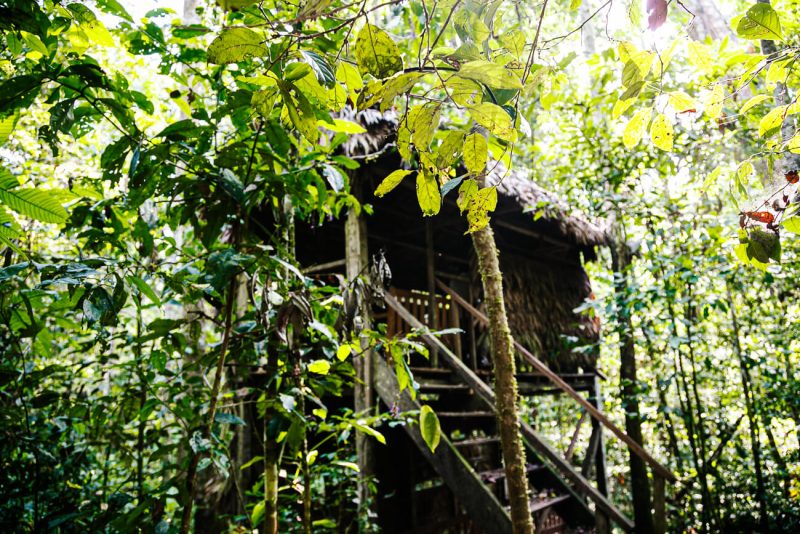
(792, 224)
(753, 102)
(428, 194)
(343, 352)
(713, 104)
(429, 427)
(495, 119)
(320, 367)
(490, 74)
(8, 225)
(449, 149)
(322, 69)
(635, 128)
(476, 153)
(425, 123)
(236, 44)
(7, 126)
(391, 181)
(343, 126)
(258, 513)
(772, 121)
(145, 289)
(377, 53)
(661, 132)
(295, 71)
(363, 427)
(34, 203)
(761, 22)
(113, 7)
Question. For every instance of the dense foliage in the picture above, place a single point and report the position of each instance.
(156, 327)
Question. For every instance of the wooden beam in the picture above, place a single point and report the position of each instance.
(328, 265)
(540, 366)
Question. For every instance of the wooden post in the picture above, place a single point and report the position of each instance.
(601, 477)
(430, 268)
(659, 504)
(356, 258)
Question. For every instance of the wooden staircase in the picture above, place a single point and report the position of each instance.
(468, 458)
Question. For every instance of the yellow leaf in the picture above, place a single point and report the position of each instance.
(343, 352)
(713, 103)
(772, 120)
(680, 101)
(621, 106)
(635, 128)
(320, 367)
(661, 132)
(495, 119)
(391, 181)
(428, 195)
(752, 102)
(476, 151)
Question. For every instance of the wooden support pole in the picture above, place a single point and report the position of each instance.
(659, 504)
(356, 258)
(430, 271)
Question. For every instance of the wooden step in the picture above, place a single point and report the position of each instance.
(495, 475)
(443, 388)
(539, 504)
(431, 371)
(487, 440)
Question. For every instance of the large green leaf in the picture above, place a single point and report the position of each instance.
(236, 44)
(429, 427)
(760, 22)
(377, 53)
(33, 203)
(490, 74)
(8, 225)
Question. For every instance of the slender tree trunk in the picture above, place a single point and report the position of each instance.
(752, 421)
(640, 484)
(505, 380)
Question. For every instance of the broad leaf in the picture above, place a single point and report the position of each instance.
(377, 53)
(236, 44)
(490, 74)
(476, 151)
(661, 132)
(391, 181)
(428, 194)
(34, 203)
(635, 128)
(495, 119)
(760, 22)
(429, 427)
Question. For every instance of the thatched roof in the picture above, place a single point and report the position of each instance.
(514, 184)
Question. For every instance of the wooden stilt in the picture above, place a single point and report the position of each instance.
(430, 267)
(356, 258)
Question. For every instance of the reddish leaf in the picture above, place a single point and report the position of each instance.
(761, 216)
(656, 13)
(690, 110)
(792, 177)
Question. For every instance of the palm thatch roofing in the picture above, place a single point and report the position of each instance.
(514, 184)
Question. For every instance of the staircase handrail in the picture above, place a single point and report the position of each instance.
(540, 366)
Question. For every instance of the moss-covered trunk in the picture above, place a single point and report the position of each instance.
(505, 381)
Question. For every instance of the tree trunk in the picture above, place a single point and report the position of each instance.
(505, 381)
(752, 421)
(640, 485)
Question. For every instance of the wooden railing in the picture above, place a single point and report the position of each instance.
(660, 473)
(530, 436)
